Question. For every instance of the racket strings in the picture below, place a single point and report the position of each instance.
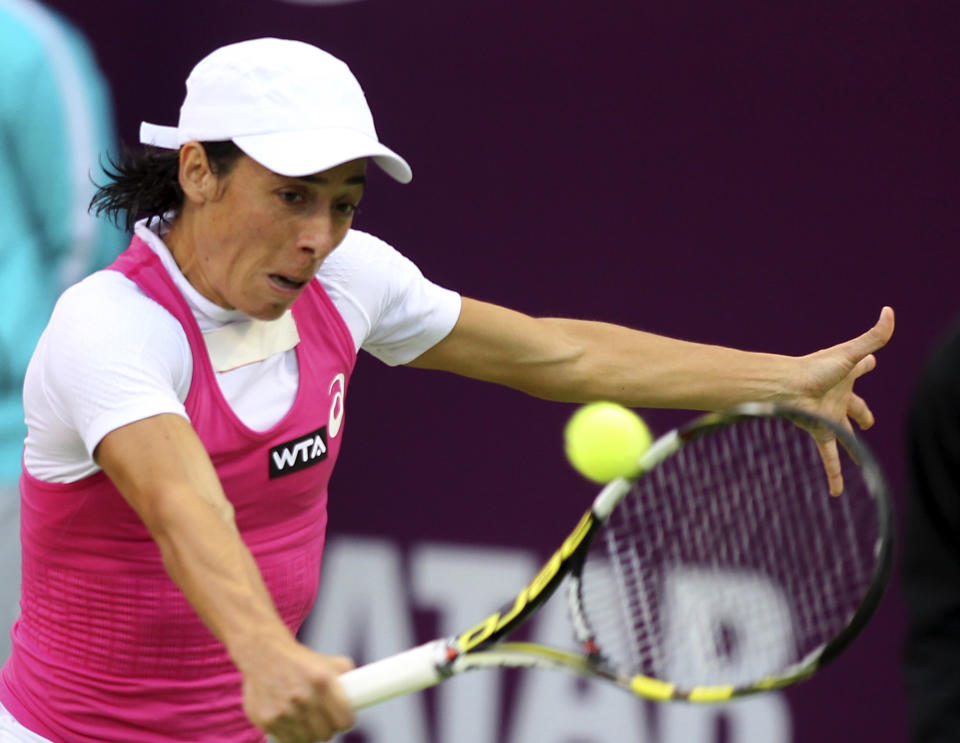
(730, 561)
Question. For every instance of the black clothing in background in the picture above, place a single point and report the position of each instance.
(932, 559)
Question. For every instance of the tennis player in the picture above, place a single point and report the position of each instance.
(185, 409)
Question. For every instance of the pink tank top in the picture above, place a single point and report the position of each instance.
(107, 649)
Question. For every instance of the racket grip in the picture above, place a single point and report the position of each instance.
(398, 674)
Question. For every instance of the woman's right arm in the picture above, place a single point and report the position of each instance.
(289, 690)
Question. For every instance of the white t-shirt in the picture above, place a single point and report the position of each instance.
(110, 355)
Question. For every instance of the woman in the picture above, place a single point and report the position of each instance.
(179, 450)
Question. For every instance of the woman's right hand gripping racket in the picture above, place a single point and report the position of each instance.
(724, 569)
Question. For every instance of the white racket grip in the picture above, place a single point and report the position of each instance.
(398, 674)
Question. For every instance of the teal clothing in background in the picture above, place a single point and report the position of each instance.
(56, 127)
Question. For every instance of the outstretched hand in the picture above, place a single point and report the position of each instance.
(826, 389)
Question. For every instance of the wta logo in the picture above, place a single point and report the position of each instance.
(311, 448)
(298, 454)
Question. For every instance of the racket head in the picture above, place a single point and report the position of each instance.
(728, 568)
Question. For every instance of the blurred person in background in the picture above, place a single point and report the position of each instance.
(56, 124)
(932, 564)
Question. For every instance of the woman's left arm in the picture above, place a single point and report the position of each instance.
(578, 361)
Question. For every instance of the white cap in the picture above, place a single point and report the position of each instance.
(292, 107)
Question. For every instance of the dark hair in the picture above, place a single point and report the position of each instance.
(146, 183)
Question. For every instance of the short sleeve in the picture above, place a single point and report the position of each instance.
(392, 310)
(109, 356)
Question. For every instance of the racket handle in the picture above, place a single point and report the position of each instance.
(398, 674)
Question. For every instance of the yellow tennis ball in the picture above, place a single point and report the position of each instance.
(604, 441)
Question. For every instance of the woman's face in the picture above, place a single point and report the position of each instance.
(255, 239)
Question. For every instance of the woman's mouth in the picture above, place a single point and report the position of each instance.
(286, 284)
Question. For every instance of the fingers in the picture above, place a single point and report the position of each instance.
(859, 411)
(340, 663)
(885, 323)
(856, 350)
(333, 705)
(875, 338)
(315, 718)
(328, 713)
(831, 464)
(867, 364)
(882, 331)
(301, 701)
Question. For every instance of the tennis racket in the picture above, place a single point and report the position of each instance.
(726, 568)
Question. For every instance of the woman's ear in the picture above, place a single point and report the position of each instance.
(197, 179)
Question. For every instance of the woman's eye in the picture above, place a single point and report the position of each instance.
(291, 197)
(347, 209)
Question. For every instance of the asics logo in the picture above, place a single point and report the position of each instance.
(337, 386)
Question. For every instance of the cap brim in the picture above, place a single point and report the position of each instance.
(308, 152)
(155, 135)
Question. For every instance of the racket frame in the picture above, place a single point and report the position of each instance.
(481, 646)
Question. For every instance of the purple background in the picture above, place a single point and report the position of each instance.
(763, 175)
